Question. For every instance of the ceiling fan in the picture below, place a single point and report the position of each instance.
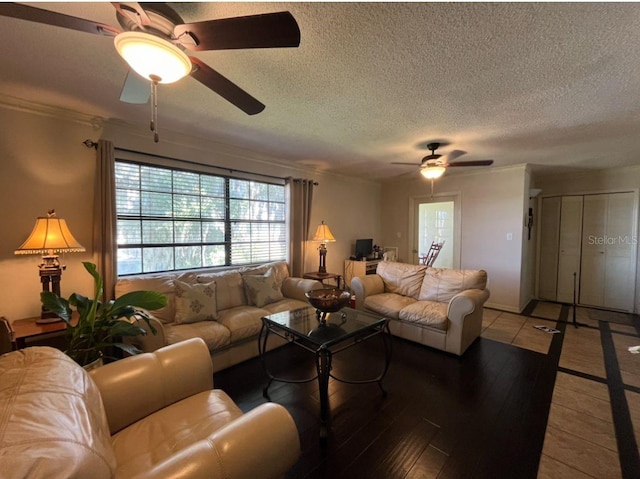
(433, 166)
(154, 37)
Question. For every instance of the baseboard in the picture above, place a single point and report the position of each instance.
(502, 307)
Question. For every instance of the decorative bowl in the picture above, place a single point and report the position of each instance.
(328, 300)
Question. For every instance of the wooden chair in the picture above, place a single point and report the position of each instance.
(432, 254)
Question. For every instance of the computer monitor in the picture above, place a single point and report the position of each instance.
(364, 247)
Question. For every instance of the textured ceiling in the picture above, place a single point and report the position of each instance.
(551, 84)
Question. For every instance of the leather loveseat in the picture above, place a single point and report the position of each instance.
(228, 307)
(438, 307)
(154, 415)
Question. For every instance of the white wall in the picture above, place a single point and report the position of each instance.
(44, 165)
(594, 181)
(493, 203)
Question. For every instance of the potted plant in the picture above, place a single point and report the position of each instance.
(101, 325)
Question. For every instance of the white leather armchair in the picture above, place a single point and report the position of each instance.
(155, 415)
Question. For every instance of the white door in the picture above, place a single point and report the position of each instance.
(609, 245)
(569, 248)
(593, 253)
(437, 219)
(620, 268)
(549, 237)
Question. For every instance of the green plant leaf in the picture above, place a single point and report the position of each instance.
(92, 269)
(149, 300)
(125, 328)
(57, 305)
(99, 325)
(128, 348)
(141, 315)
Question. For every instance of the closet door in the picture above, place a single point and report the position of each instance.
(549, 237)
(593, 253)
(608, 262)
(570, 247)
(620, 272)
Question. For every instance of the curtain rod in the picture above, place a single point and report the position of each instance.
(93, 144)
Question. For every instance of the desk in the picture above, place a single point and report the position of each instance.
(24, 329)
(322, 276)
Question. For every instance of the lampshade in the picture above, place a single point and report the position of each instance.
(323, 234)
(50, 235)
(432, 172)
(150, 55)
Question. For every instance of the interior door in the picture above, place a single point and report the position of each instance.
(596, 240)
(608, 272)
(620, 272)
(437, 219)
(593, 252)
(569, 247)
(549, 238)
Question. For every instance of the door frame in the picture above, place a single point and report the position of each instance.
(414, 203)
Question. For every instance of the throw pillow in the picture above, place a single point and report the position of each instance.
(262, 290)
(195, 302)
(401, 278)
(442, 284)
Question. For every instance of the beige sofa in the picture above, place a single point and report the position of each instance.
(222, 307)
(148, 416)
(441, 308)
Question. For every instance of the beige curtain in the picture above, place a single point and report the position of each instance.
(104, 233)
(301, 196)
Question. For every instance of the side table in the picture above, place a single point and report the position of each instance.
(322, 276)
(24, 329)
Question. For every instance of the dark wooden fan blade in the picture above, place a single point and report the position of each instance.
(135, 89)
(269, 30)
(471, 163)
(33, 14)
(225, 88)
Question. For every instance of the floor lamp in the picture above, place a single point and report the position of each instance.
(50, 235)
(323, 235)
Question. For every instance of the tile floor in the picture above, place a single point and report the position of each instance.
(580, 440)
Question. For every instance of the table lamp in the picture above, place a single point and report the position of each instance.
(50, 235)
(323, 235)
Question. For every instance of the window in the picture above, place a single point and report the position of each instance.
(170, 219)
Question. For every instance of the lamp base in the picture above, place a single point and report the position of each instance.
(50, 275)
(47, 317)
(322, 268)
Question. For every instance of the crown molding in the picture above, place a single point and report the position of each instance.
(20, 104)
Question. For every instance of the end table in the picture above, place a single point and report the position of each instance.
(24, 329)
(322, 276)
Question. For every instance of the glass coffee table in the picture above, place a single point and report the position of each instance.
(324, 338)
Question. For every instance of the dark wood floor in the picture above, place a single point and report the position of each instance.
(479, 416)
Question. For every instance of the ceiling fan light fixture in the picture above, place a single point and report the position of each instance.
(151, 56)
(432, 172)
